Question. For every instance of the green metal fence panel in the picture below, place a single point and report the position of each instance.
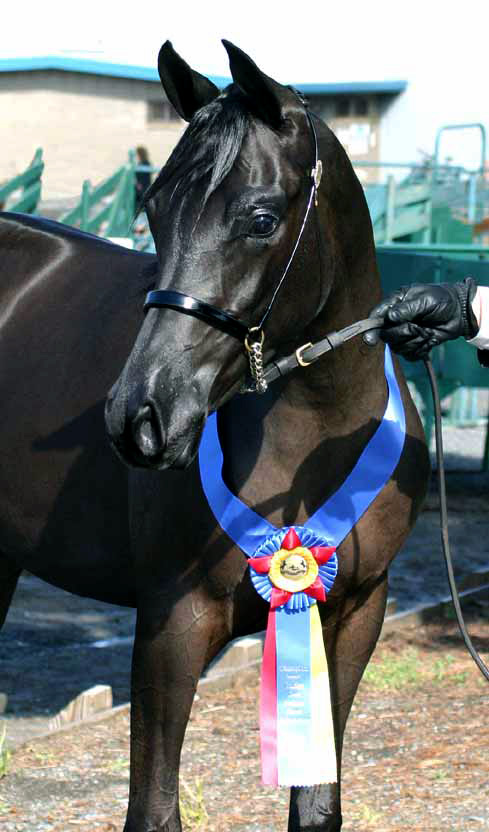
(399, 211)
(107, 208)
(447, 227)
(464, 251)
(23, 192)
(123, 206)
(93, 224)
(459, 198)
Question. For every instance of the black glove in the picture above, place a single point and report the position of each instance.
(421, 316)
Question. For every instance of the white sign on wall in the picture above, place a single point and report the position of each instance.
(357, 138)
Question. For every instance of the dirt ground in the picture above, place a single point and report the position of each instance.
(417, 744)
(416, 753)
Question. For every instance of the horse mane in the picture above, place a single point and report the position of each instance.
(209, 147)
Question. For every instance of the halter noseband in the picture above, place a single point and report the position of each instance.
(253, 337)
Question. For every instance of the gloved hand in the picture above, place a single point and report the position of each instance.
(422, 316)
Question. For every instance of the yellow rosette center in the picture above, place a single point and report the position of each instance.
(293, 569)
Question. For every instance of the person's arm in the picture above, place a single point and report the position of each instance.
(480, 306)
(422, 316)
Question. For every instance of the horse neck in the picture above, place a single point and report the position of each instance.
(351, 376)
(345, 261)
(318, 419)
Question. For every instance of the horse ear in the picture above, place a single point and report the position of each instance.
(263, 92)
(185, 88)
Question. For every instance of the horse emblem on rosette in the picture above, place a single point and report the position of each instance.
(247, 235)
(295, 566)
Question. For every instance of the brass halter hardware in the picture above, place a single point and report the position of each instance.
(317, 175)
(298, 355)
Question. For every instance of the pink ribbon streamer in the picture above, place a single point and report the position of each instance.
(268, 707)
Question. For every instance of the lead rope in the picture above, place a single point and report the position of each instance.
(445, 542)
(331, 342)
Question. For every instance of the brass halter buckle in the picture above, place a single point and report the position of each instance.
(298, 355)
(254, 349)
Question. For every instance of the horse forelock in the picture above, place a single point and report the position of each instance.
(208, 148)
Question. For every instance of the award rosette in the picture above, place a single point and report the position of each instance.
(292, 569)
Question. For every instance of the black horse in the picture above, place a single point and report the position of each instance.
(225, 213)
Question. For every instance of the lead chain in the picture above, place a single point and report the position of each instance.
(255, 357)
(256, 367)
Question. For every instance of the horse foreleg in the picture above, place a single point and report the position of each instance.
(9, 575)
(170, 652)
(350, 637)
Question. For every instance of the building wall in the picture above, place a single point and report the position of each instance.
(359, 135)
(85, 124)
(356, 121)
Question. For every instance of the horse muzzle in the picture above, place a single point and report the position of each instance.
(139, 435)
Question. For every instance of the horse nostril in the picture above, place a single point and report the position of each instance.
(146, 432)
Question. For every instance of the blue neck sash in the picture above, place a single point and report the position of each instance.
(336, 517)
(293, 568)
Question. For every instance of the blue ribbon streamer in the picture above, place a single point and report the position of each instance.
(294, 724)
(332, 522)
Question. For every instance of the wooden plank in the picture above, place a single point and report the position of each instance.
(94, 223)
(72, 217)
(22, 180)
(108, 186)
(84, 706)
(409, 224)
(412, 193)
(123, 206)
(27, 202)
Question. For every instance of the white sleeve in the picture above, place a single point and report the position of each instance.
(480, 305)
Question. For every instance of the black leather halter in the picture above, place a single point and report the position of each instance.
(169, 299)
(251, 336)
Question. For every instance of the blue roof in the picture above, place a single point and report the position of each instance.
(353, 87)
(144, 73)
(66, 64)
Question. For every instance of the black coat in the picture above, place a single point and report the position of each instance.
(483, 356)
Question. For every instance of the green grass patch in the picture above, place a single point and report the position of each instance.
(192, 807)
(395, 672)
(368, 817)
(118, 765)
(443, 671)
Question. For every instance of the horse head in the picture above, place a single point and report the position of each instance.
(226, 212)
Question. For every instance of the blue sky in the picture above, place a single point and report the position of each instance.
(314, 41)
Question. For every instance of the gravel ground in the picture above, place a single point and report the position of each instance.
(414, 760)
(415, 753)
(463, 447)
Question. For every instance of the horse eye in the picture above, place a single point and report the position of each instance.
(262, 225)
